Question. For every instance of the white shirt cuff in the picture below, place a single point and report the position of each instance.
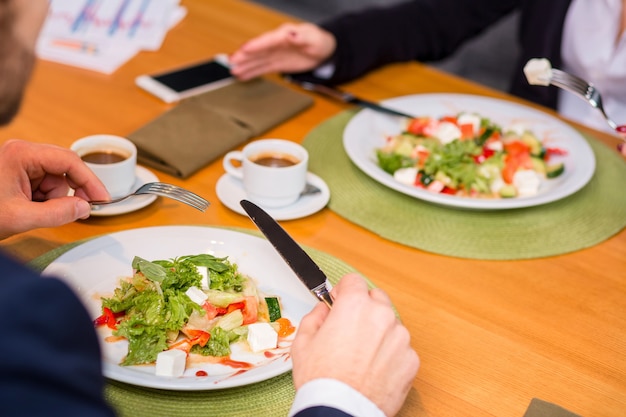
(335, 394)
(325, 71)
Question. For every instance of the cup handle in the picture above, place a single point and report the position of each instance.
(235, 171)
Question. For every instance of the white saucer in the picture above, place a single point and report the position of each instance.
(142, 176)
(230, 192)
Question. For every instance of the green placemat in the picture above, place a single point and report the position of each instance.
(584, 219)
(272, 397)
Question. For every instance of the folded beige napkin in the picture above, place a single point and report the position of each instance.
(540, 408)
(200, 129)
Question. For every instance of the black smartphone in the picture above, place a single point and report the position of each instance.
(183, 82)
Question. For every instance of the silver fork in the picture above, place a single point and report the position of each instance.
(582, 88)
(164, 190)
(310, 189)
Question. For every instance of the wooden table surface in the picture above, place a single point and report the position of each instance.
(492, 335)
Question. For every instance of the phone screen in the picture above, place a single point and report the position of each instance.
(198, 75)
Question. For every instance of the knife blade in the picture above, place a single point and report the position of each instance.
(346, 97)
(298, 260)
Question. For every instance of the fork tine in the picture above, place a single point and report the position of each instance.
(188, 199)
(569, 88)
(195, 204)
(571, 80)
(578, 86)
(556, 73)
(177, 193)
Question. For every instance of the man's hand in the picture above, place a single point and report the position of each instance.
(360, 342)
(36, 179)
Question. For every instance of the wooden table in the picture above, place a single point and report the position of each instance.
(492, 335)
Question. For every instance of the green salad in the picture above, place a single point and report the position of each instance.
(470, 156)
(199, 304)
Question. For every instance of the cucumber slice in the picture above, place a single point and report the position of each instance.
(508, 191)
(273, 308)
(553, 171)
(538, 165)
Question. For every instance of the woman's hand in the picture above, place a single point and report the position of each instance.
(289, 48)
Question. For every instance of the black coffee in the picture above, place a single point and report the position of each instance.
(103, 157)
(275, 159)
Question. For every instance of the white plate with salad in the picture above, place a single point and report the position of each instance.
(94, 270)
(571, 160)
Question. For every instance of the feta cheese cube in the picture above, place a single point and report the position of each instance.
(405, 175)
(197, 295)
(495, 145)
(527, 182)
(171, 363)
(447, 132)
(204, 272)
(538, 71)
(262, 336)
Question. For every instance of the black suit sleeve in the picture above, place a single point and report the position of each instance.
(320, 411)
(429, 30)
(49, 355)
(422, 30)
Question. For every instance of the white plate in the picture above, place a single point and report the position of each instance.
(93, 269)
(230, 192)
(367, 131)
(142, 177)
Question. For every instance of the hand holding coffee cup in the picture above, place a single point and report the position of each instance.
(112, 158)
(273, 171)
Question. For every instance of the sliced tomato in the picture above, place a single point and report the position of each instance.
(417, 125)
(211, 310)
(517, 157)
(467, 131)
(451, 119)
(235, 306)
(107, 317)
(516, 147)
(510, 166)
(251, 310)
(418, 180)
(194, 337)
(197, 337)
(514, 162)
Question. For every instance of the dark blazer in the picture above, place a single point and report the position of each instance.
(49, 355)
(429, 30)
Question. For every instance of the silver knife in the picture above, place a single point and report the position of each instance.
(346, 97)
(297, 259)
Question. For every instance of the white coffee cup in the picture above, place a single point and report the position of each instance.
(273, 171)
(112, 158)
